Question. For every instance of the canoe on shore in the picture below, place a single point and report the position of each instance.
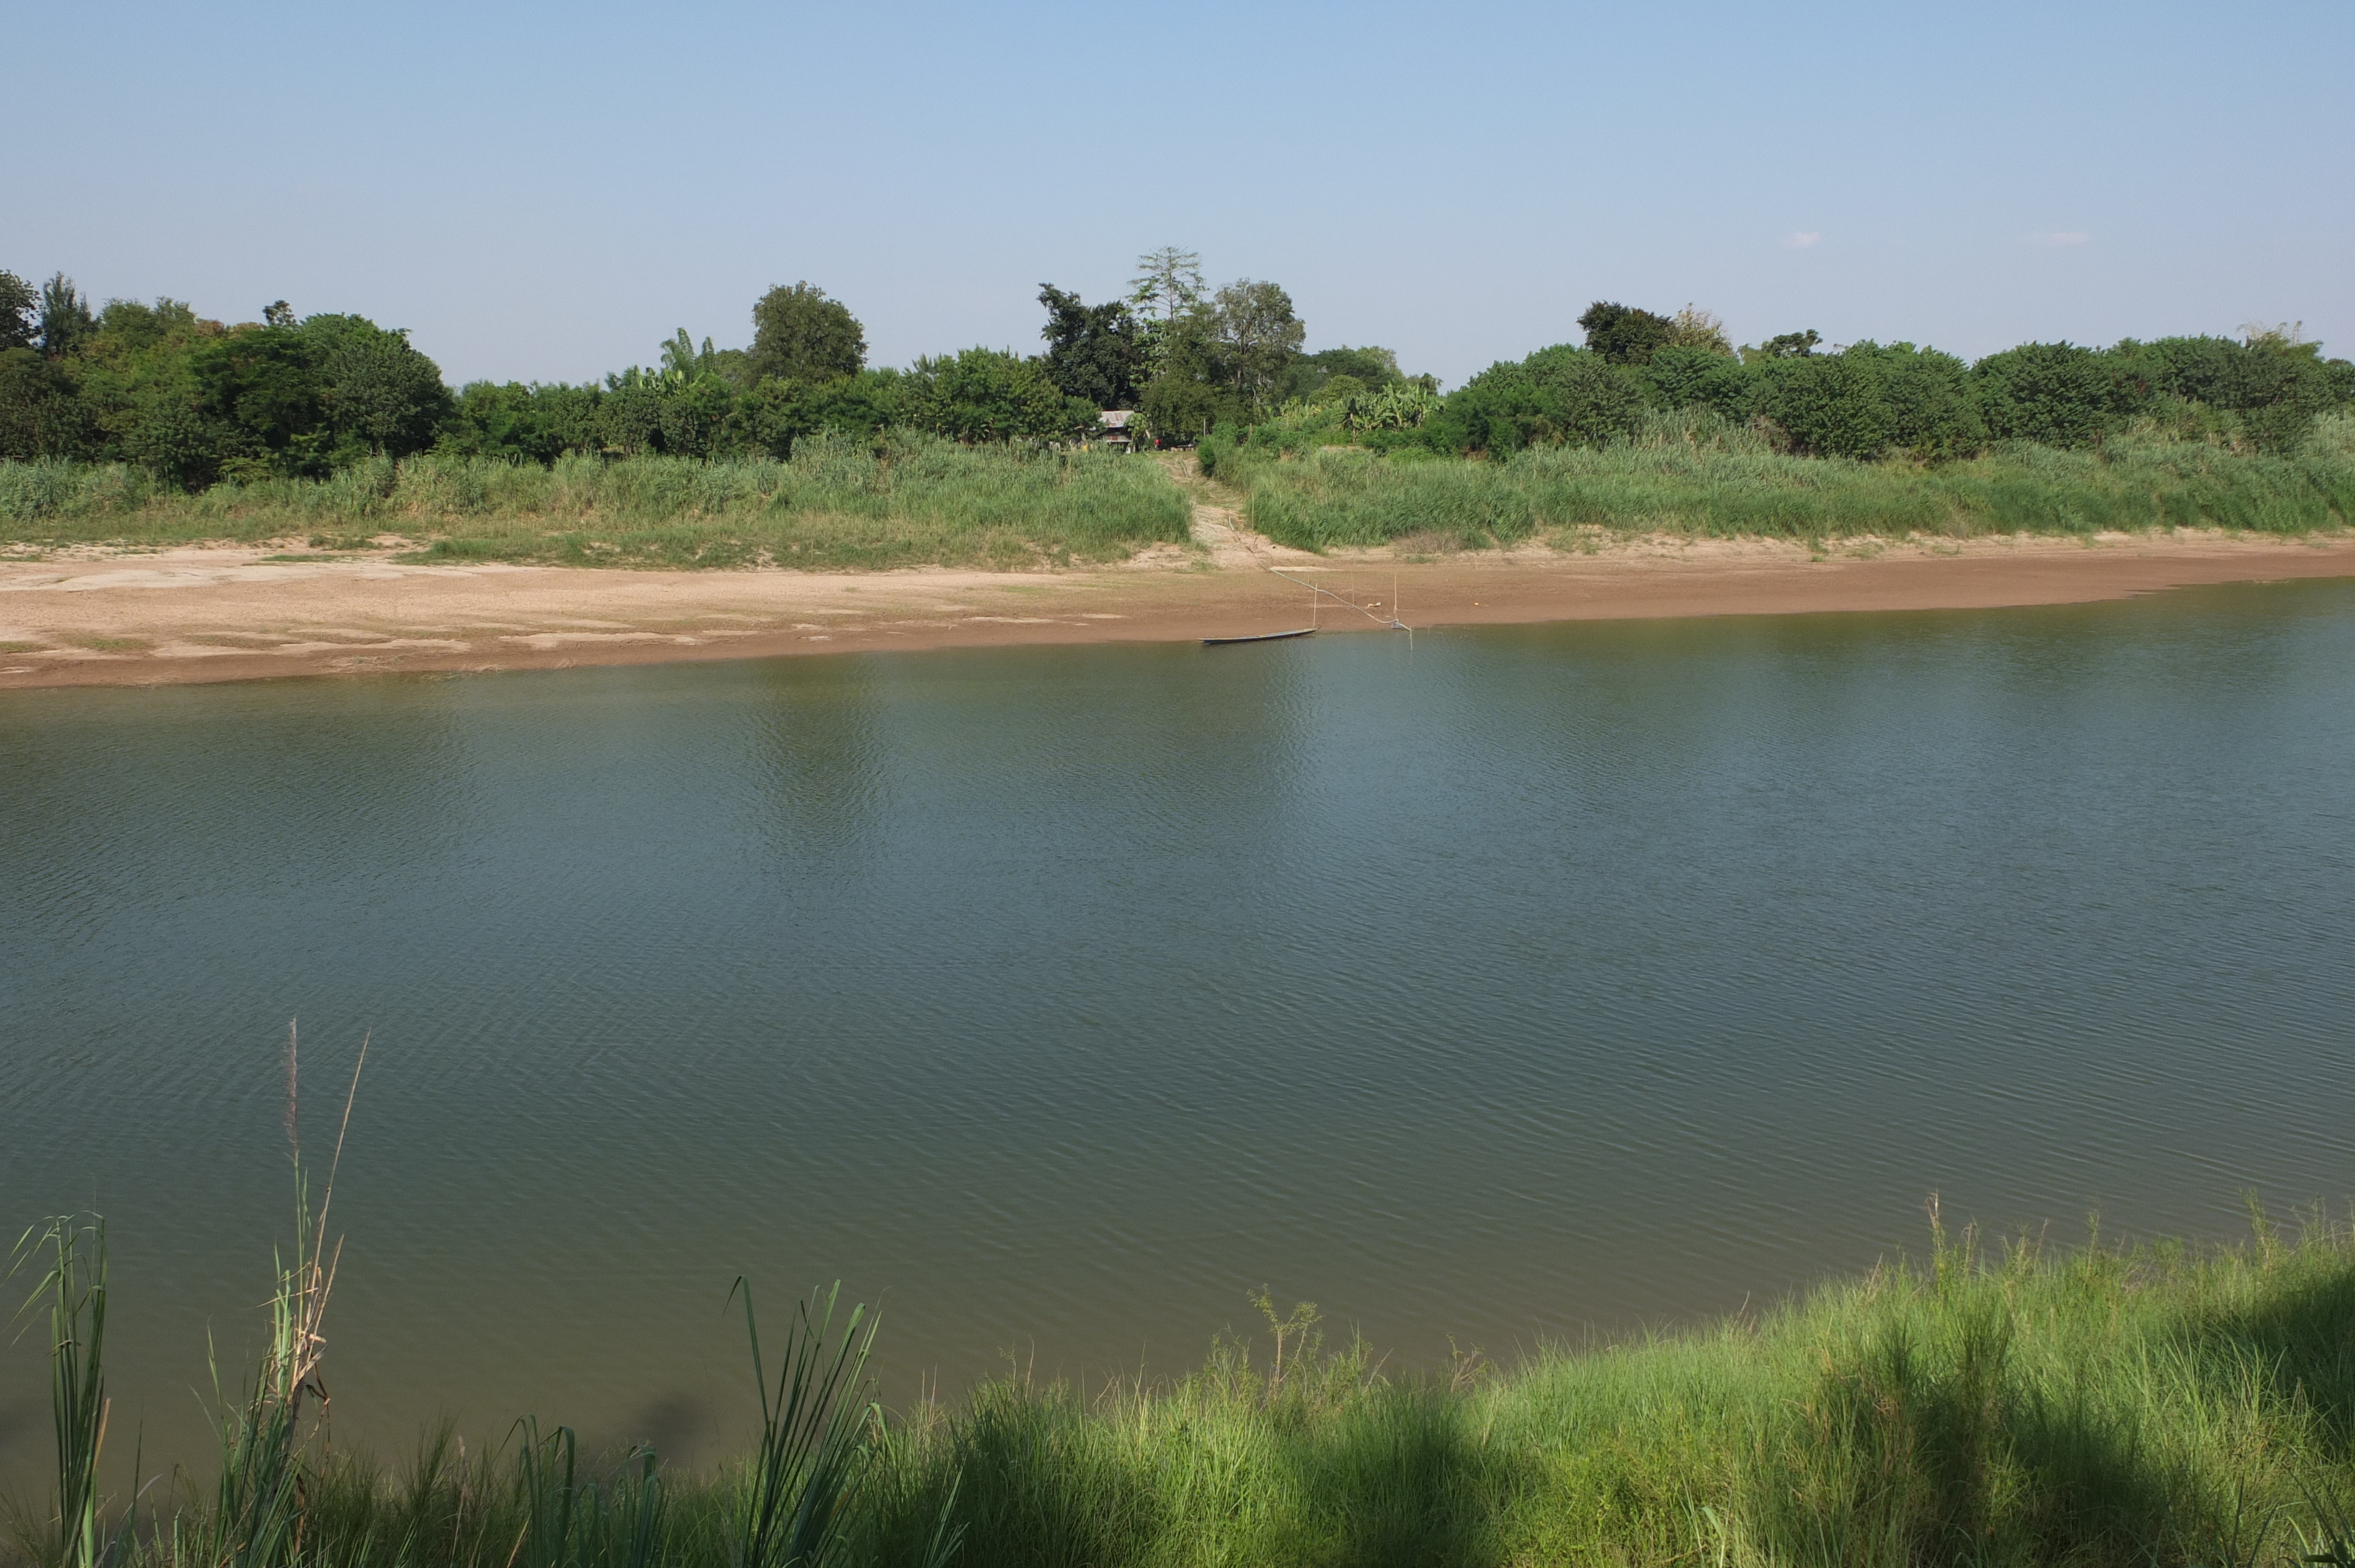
(1259, 637)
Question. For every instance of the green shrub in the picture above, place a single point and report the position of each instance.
(1868, 401)
(1557, 395)
(2053, 393)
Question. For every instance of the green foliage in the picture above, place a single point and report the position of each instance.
(1681, 375)
(20, 306)
(1556, 395)
(988, 394)
(536, 423)
(41, 410)
(1258, 335)
(2007, 1405)
(2054, 393)
(812, 1447)
(1182, 402)
(843, 501)
(197, 403)
(377, 393)
(1785, 345)
(1094, 352)
(1369, 367)
(261, 392)
(1696, 473)
(1868, 401)
(301, 400)
(66, 321)
(2275, 384)
(1168, 282)
(1693, 327)
(74, 1286)
(800, 335)
(1622, 334)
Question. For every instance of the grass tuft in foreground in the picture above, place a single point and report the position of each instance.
(1986, 1405)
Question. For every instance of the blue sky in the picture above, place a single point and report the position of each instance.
(545, 192)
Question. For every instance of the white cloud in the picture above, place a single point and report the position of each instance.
(1801, 240)
(2056, 237)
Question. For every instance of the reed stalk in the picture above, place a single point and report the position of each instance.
(809, 1453)
(258, 1513)
(74, 1286)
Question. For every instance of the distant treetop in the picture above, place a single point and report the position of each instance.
(800, 335)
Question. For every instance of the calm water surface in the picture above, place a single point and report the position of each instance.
(1515, 984)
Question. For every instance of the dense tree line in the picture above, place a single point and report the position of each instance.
(197, 401)
(1875, 400)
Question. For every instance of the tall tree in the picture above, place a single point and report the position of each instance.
(1258, 335)
(1167, 281)
(800, 335)
(1094, 352)
(377, 392)
(66, 318)
(20, 311)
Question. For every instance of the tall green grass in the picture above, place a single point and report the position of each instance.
(837, 503)
(1693, 474)
(2006, 1405)
(72, 1285)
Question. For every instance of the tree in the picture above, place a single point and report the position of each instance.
(1684, 376)
(1370, 366)
(538, 423)
(298, 400)
(1785, 345)
(278, 312)
(1622, 334)
(2275, 384)
(1693, 327)
(1094, 352)
(2055, 393)
(1258, 336)
(66, 319)
(988, 394)
(256, 397)
(679, 355)
(377, 392)
(41, 412)
(1167, 281)
(1868, 401)
(20, 311)
(800, 335)
(1562, 393)
(179, 444)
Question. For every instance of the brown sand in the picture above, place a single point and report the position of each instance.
(212, 614)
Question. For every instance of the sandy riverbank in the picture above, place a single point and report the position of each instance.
(211, 614)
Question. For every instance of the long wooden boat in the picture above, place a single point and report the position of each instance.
(1259, 637)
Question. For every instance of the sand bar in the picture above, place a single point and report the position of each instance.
(101, 618)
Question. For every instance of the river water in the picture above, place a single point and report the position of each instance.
(1505, 986)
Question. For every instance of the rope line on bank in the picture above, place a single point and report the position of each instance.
(1394, 623)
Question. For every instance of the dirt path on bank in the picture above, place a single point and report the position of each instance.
(210, 614)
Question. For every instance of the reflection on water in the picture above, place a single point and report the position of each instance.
(1503, 985)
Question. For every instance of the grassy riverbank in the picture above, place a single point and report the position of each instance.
(923, 500)
(1695, 474)
(2006, 1405)
(837, 505)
